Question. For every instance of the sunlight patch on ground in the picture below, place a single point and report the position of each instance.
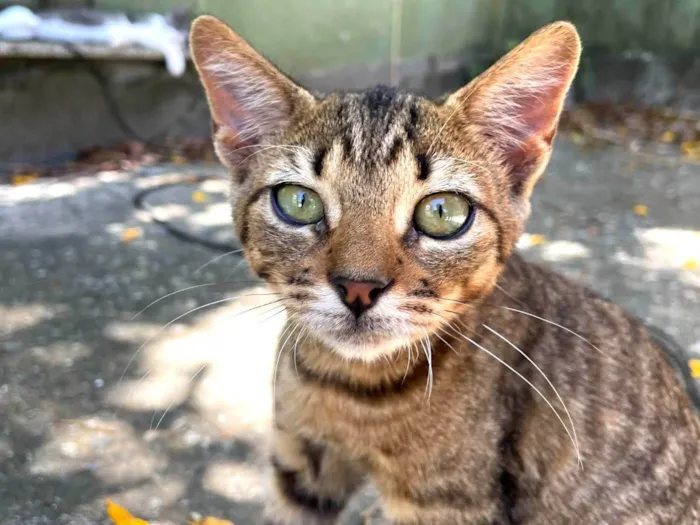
(134, 332)
(108, 449)
(148, 499)
(235, 481)
(61, 353)
(43, 190)
(221, 366)
(561, 251)
(22, 317)
(664, 249)
(215, 215)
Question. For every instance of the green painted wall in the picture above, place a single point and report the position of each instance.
(305, 34)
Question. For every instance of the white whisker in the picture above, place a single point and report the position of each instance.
(556, 392)
(501, 361)
(217, 258)
(535, 317)
(296, 345)
(408, 363)
(289, 328)
(558, 326)
(199, 370)
(428, 354)
(182, 290)
(275, 313)
(264, 148)
(235, 268)
(437, 334)
(159, 332)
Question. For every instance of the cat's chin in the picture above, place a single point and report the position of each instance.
(362, 347)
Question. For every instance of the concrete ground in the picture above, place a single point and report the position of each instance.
(171, 421)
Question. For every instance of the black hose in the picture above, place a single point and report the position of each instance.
(139, 201)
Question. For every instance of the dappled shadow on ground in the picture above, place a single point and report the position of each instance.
(182, 423)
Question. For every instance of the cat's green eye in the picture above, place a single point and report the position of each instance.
(443, 215)
(297, 205)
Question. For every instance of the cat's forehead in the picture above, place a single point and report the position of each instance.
(372, 126)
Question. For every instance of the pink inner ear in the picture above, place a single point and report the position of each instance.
(541, 117)
(228, 113)
(522, 121)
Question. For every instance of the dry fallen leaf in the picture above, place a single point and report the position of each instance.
(120, 516)
(694, 365)
(691, 264)
(131, 234)
(537, 239)
(691, 149)
(578, 138)
(211, 521)
(667, 137)
(641, 210)
(199, 196)
(24, 178)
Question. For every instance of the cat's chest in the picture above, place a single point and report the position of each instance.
(388, 430)
(363, 427)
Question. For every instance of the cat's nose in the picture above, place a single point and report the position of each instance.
(359, 296)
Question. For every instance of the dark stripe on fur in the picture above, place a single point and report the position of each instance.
(291, 485)
(319, 160)
(502, 255)
(415, 379)
(244, 221)
(314, 453)
(395, 150)
(423, 166)
(515, 395)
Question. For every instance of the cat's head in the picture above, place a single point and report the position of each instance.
(375, 214)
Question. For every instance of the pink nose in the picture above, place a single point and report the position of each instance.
(359, 296)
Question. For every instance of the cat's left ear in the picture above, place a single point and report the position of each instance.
(249, 98)
(516, 104)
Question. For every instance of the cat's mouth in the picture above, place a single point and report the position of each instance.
(361, 343)
(379, 331)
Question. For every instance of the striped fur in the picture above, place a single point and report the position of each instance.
(443, 393)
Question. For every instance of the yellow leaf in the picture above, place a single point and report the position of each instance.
(24, 178)
(199, 196)
(641, 210)
(121, 516)
(667, 137)
(536, 240)
(691, 149)
(691, 264)
(131, 234)
(211, 521)
(694, 365)
(577, 138)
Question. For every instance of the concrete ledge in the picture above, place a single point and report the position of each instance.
(57, 50)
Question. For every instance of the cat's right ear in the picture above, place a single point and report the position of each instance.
(249, 98)
(515, 105)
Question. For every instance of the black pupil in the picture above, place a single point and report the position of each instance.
(440, 208)
(302, 198)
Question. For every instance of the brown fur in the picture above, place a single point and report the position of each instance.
(477, 443)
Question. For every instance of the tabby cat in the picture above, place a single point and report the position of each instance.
(422, 353)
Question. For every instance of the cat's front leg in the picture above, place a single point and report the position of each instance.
(311, 482)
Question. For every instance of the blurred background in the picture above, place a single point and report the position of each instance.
(136, 348)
